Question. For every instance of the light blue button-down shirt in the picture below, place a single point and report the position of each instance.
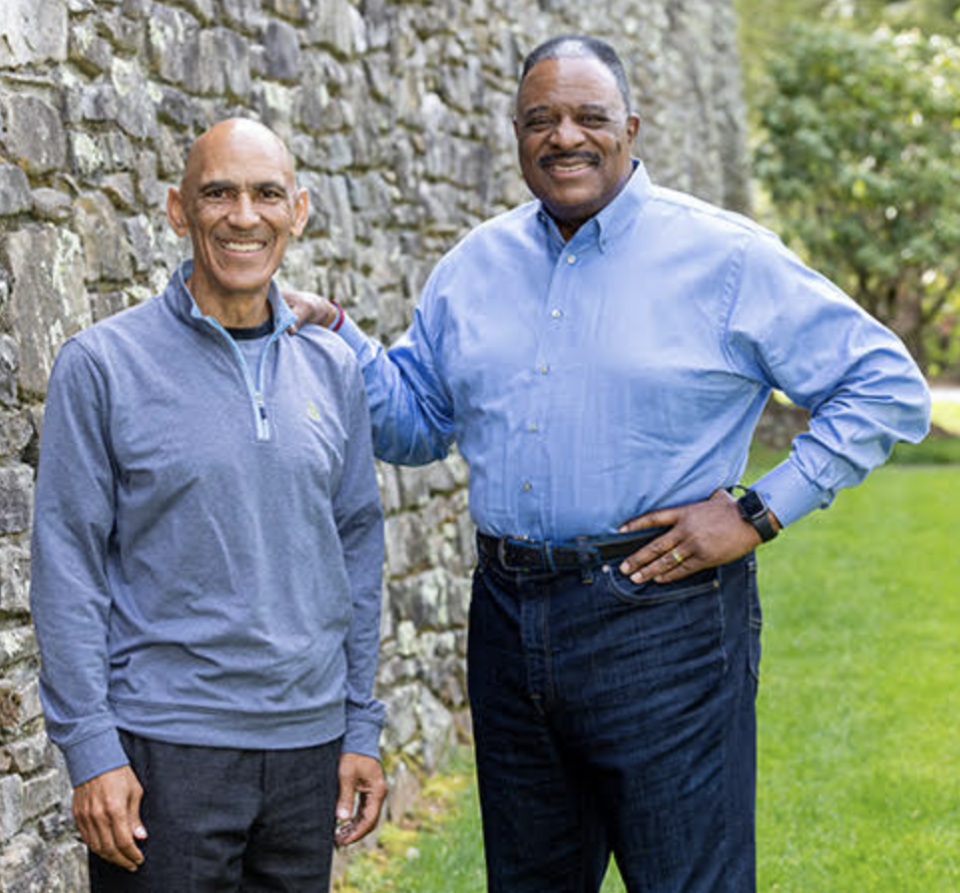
(590, 381)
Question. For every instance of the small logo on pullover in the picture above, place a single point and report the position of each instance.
(313, 411)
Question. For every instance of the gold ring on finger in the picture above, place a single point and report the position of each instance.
(676, 556)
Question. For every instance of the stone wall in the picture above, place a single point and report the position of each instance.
(399, 116)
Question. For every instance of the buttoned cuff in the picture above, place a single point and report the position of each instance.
(789, 494)
(95, 755)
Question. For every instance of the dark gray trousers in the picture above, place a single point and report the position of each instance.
(229, 821)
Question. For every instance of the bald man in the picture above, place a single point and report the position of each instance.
(206, 560)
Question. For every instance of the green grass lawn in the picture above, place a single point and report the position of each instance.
(859, 787)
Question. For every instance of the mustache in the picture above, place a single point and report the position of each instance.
(590, 157)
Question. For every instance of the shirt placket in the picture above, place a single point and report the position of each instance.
(537, 478)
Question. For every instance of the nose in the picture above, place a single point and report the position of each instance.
(243, 214)
(566, 134)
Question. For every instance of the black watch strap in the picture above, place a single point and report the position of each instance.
(754, 510)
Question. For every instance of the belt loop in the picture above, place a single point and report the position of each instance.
(548, 555)
(588, 558)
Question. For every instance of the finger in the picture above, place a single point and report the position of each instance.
(650, 553)
(125, 851)
(674, 563)
(132, 829)
(659, 518)
(109, 843)
(88, 830)
(674, 571)
(366, 817)
(371, 803)
(346, 799)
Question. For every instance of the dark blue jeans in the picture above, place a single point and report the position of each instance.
(229, 821)
(616, 718)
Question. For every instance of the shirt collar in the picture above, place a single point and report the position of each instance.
(612, 220)
(283, 316)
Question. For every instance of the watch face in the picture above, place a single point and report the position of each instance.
(752, 504)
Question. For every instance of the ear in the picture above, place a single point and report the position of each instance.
(516, 128)
(301, 211)
(633, 127)
(176, 215)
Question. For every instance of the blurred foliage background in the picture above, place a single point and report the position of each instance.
(855, 136)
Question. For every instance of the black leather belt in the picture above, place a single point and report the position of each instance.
(582, 553)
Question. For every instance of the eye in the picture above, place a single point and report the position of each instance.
(593, 119)
(538, 123)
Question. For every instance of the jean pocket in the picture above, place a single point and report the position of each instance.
(651, 593)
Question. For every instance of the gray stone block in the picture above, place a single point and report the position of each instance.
(22, 868)
(90, 52)
(123, 33)
(34, 133)
(97, 104)
(283, 51)
(32, 31)
(246, 15)
(221, 64)
(15, 433)
(120, 189)
(48, 302)
(15, 194)
(401, 726)
(136, 112)
(9, 369)
(28, 685)
(17, 643)
(41, 793)
(16, 498)
(11, 807)
(172, 36)
(436, 728)
(14, 578)
(29, 754)
(140, 237)
(106, 247)
(52, 204)
(337, 25)
(66, 868)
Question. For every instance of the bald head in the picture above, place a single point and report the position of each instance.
(234, 135)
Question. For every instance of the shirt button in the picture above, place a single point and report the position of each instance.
(527, 486)
(571, 259)
(544, 369)
(533, 427)
(556, 313)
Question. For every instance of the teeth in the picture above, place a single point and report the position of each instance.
(245, 247)
(578, 166)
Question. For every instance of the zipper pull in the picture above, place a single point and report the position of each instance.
(260, 406)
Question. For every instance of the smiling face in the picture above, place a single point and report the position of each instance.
(239, 203)
(574, 135)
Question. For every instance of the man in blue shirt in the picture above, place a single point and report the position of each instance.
(601, 356)
(206, 560)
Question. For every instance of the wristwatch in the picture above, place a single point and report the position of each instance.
(753, 509)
